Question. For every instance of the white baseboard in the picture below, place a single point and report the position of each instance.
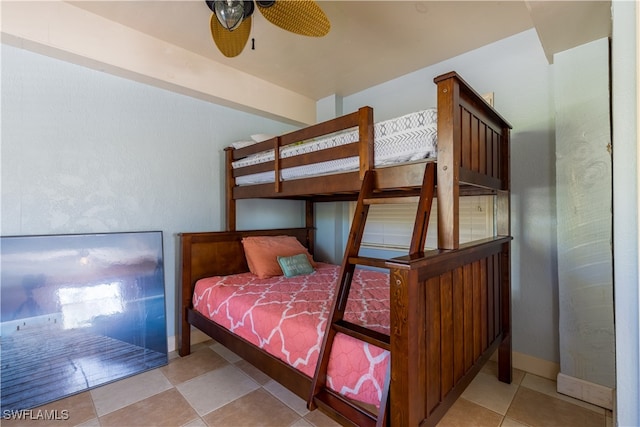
(533, 365)
(197, 336)
(586, 391)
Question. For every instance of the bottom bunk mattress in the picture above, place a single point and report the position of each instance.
(287, 317)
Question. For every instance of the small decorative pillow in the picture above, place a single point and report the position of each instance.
(295, 265)
(262, 252)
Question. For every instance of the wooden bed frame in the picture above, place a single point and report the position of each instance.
(450, 307)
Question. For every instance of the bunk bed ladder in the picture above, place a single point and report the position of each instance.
(321, 395)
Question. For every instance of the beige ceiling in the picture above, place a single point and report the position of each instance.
(369, 42)
(168, 44)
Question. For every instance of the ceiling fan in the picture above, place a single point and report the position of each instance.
(231, 20)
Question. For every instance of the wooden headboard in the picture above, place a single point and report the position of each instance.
(225, 247)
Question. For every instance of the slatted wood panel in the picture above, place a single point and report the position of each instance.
(481, 148)
(462, 305)
(433, 328)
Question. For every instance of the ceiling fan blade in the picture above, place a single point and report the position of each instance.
(302, 17)
(230, 43)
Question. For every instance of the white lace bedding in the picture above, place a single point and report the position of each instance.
(402, 139)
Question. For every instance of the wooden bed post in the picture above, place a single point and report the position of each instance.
(505, 367)
(503, 223)
(408, 337)
(277, 181)
(448, 189)
(365, 127)
(309, 224)
(184, 328)
(230, 182)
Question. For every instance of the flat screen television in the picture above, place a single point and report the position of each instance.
(78, 311)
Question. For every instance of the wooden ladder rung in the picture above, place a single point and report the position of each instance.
(391, 200)
(363, 334)
(335, 403)
(369, 261)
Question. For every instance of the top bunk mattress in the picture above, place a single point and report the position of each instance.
(402, 139)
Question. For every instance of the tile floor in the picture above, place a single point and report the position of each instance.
(214, 387)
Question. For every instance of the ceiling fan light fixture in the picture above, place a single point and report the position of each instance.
(229, 13)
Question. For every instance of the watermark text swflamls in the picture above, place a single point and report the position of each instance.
(36, 414)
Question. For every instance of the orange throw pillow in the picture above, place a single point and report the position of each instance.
(262, 253)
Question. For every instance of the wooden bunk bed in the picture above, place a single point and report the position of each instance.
(449, 308)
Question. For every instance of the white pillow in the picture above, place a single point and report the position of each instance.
(242, 144)
(259, 137)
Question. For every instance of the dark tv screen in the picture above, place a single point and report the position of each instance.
(78, 311)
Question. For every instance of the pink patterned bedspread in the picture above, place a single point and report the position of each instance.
(287, 317)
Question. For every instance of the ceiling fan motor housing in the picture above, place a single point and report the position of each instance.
(248, 5)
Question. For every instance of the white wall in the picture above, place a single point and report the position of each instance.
(84, 151)
(584, 189)
(625, 74)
